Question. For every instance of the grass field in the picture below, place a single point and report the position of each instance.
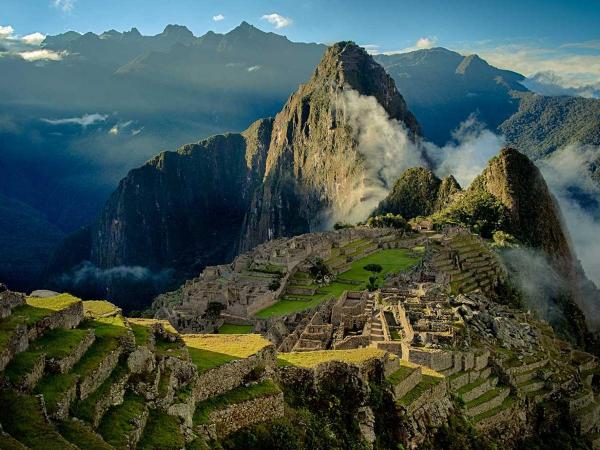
(311, 359)
(391, 261)
(228, 328)
(99, 308)
(212, 350)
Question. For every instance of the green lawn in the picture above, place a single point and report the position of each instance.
(228, 328)
(391, 261)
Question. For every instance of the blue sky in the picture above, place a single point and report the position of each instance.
(520, 35)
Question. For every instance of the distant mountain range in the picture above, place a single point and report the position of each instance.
(72, 128)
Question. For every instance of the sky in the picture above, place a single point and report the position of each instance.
(560, 39)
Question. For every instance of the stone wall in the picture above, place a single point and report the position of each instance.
(17, 343)
(8, 301)
(434, 394)
(225, 421)
(434, 359)
(63, 365)
(406, 385)
(114, 396)
(231, 375)
(90, 383)
(496, 401)
(69, 317)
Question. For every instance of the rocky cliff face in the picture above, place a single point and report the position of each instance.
(183, 209)
(418, 192)
(315, 165)
(534, 215)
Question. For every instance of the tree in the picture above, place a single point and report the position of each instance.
(388, 220)
(375, 268)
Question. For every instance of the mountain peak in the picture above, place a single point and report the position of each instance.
(177, 31)
(244, 29)
(347, 65)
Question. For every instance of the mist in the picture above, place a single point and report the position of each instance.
(124, 285)
(388, 151)
(537, 280)
(567, 173)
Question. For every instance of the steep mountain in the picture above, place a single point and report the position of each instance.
(443, 88)
(281, 177)
(315, 165)
(72, 128)
(418, 192)
(544, 124)
(184, 208)
(512, 196)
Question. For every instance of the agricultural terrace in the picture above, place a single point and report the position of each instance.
(312, 359)
(355, 278)
(212, 350)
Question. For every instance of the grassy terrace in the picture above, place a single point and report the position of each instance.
(355, 278)
(85, 409)
(237, 395)
(427, 382)
(80, 435)
(311, 359)
(35, 310)
(507, 403)
(99, 308)
(22, 418)
(484, 398)
(401, 374)
(162, 432)
(228, 328)
(57, 344)
(108, 330)
(212, 350)
(116, 424)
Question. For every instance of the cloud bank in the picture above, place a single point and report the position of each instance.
(278, 20)
(218, 17)
(85, 120)
(573, 65)
(567, 172)
(388, 152)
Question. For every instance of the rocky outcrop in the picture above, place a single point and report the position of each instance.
(314, 162)
(418, 192)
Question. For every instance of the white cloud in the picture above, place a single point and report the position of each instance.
(278, 20)
(253, 68)
(6, 31)
(372, 49)
(118, 127)
(84, 121)
(425, 42)
(420, 44)
(573, 63)
(218, 17)
(65, 5)
(33, 38)
(37, 55)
